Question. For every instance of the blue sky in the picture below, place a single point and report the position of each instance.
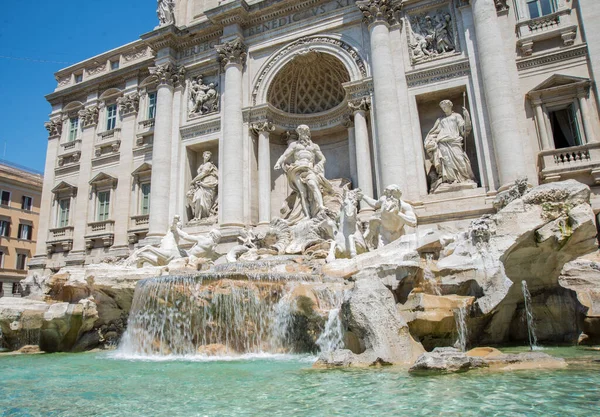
(39, 37)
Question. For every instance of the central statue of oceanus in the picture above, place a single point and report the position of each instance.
(304, 165)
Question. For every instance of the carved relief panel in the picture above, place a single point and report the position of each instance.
(203, 95)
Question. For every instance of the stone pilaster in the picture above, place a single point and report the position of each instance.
(349, 124)
(496, 79)
(168, 76)
(359, 110)
(379, 15)
(232, 56)
(263, 130)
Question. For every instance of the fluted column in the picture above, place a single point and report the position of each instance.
(168, 75)
(363, 151)
(349, 124)
(263, 130)
(510, 158)
(232, 56)
(379, 15)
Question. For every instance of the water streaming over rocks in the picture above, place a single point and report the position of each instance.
(460, 317)
(332, 336)
(211, 315)
(529, 316)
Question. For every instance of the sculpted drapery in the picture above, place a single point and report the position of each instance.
(203, 189)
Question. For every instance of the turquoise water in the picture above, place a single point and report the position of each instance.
(98, 384)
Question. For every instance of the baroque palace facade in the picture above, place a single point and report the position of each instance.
(453, 100)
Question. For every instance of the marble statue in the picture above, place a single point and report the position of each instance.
(202, 194)
(431, 35)
(348, 240)
(167, 251)
(204, 98)
(444, 148)
(304, 165)
(204, 246)
(165, 12)
(391, 215)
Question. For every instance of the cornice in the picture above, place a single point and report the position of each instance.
(438, 73)
(578, 51)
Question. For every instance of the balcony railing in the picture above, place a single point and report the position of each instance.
(70, 147)
(145, 127)
(103, 231)
(60, 233)
(580, 162)
(101, 227)
(139, 221)
(553, 25)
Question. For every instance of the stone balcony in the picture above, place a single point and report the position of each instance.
(577, 162)
(145, 127)
(60, 239)
(138, 227)
(553, 25)
(102, 232)
(70, 147)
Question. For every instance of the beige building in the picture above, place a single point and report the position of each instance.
(129, 129)
(20, 194)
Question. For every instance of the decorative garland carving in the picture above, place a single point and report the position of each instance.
(135, 54)
(362, 104)
(307, 41)
(264, 126)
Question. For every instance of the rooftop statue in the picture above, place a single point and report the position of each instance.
(202, 194)
(444, 148)
(391, 215)
(304, 165)
(165, 12)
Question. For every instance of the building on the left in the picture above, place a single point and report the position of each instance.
(20, 194)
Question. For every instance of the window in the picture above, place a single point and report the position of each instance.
(78, 78)
(73, 128)
(64, 207)
(151, 105)
(103, 206)
(27, 203)
(5, 198)
(114, 65)
(21, 261)
(145, 189)
(565, 128)
(538, 8)
(25, 231)
(111, 116)
(4, 228)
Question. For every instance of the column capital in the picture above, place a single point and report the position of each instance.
(232, 52)
(54, 127)
(88, 116)
(348, 121)
(384, 11)
(360, 104)
(128, 104)
(262, 126)
(168, 74)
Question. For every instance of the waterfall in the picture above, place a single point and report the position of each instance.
(529, 316)
(332, 336)
(460, 318)
(429, 276)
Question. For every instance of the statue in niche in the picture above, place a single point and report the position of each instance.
(165, 12)
(391, 215)
(204, 98)
(444, 148)
(304, 165)
(202, 195)
(431, 35)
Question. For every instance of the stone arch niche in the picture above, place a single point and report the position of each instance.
(304, 83)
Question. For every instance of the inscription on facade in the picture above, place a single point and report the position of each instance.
(198, 49)
(298, 16)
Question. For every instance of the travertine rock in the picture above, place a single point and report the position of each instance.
(446, 359)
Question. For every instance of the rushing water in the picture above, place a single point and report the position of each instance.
(529, 316)
(460, 318)
(332, 336)
(97, 384)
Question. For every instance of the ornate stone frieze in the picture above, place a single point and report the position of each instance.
(573, 53)
(54, 127)
(432, 35)
(433, 75)
(201, 129)
(380, 11)
(168, 73)
(263, 126)
(308, 41)
(203, 97)
(135, 54)
(129, 104)
(362, 104)
(98, 69)
(88, 116)
(165, 11)
(232, 52)
(64, 81)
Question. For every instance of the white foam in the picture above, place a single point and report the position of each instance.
(117, 355)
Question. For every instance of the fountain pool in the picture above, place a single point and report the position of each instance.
(103, 384)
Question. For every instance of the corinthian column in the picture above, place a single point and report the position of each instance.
(263, 129)
(379, 15)
(232, 56)
(364, 175)
(168, 75)
(510, 157)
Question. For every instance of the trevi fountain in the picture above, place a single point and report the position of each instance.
(343, 304)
